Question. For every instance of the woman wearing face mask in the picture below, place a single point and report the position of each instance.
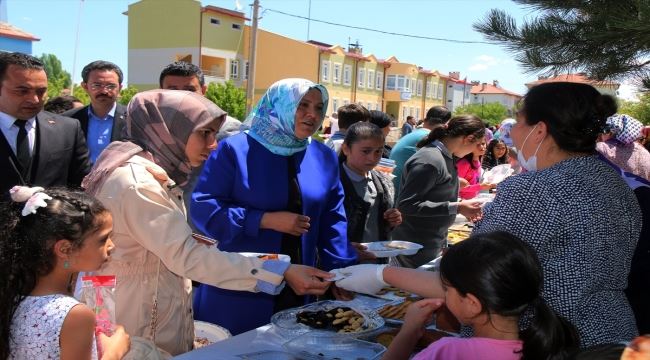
(572, 208)
(428, 198)
(272, 189)
(155, 253)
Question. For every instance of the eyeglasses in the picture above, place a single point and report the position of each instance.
(107, 87)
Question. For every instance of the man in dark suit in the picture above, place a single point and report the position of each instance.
(36, 146)
(103, 120)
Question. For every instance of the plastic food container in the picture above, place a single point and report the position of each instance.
(392, 248)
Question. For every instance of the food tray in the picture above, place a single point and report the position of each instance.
(281, 257)
(286, 322)
(308, 347)
(383, 249)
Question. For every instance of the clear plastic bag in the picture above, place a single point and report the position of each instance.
(97, 292)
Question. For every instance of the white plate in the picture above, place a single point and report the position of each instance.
(212, 332)
(281, 257)
(392, 248)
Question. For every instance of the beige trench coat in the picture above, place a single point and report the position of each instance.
(155, 252)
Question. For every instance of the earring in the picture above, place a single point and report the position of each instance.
(66, 264)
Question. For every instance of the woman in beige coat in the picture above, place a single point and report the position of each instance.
(155, 252)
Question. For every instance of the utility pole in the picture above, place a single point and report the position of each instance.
(250, 86)
(76, 46)
(308, 20)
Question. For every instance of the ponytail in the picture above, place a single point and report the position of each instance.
(437, 133)
(462, 125)
(549, 336)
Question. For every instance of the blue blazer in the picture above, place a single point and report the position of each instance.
(241, 181)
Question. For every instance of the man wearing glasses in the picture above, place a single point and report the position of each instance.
(102, 121)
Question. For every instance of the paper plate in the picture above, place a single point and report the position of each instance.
(281, 257)
(392, 248)
(213, 333)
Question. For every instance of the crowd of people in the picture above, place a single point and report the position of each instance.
(557, 263)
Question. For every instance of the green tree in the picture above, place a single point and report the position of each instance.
(57, 78)
(491, 113)
(607, 39)
(81, 94)
(228, 97)
(639, 110)
(126, 94)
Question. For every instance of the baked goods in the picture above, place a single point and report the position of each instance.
(340, 319)
(200, 342)
(396, 312)
(429, 336)
(268, 257)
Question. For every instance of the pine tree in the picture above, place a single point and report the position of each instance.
(607, 39)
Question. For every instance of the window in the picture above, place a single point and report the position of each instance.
(413, 86)
(404, 113)
(371, 79)
(325, 71)
(337, 74)
(440, 91)
(428, 89)
(412, 111)
(417, 114)
(335, 105)
(347, 75)
(379, 81)
(401, 83)
(214, 21)
(234, 69)
(246, 71)
(419, 89)
(369, 106)
(361, 78)
(236, 26)
(391, 82)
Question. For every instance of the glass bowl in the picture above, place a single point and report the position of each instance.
(286, 321)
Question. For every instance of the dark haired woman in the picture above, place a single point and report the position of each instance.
(428, 197)
(496, 154)
(382, 120)
(572, 208)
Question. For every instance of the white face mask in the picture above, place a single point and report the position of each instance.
(531, 163)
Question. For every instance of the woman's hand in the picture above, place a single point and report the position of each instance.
(285, 222)
(116, 345)
(470, 209)
(306, 280)
(393, 216)
(420, 314)
(362, 254)
(488, 186)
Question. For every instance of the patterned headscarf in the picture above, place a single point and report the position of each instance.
(158, 125)
(625, 128)
(504, 131)
(272, 121)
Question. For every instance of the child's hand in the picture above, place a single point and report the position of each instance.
(393, 216)
(419, 314)
(116, 345)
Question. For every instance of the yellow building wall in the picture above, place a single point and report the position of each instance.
(148, 31)
(222, 36)
(278, 58)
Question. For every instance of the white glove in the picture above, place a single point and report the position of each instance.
(365, 278)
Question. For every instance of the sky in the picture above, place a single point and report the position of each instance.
(103, 31)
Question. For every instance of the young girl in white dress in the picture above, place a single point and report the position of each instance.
(45, 237)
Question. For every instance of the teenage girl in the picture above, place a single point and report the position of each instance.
(45, 237)
(369, 193)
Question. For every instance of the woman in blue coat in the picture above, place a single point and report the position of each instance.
(272, 189)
